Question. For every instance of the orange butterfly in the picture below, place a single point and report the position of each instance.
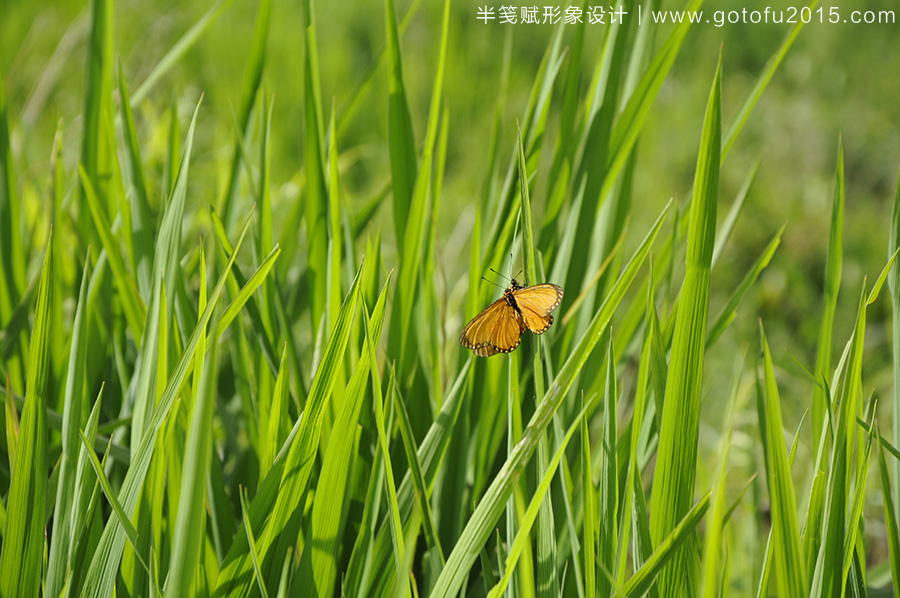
(499, 328)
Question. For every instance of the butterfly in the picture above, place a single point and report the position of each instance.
(499, 328)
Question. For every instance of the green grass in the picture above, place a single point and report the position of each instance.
(228, 344)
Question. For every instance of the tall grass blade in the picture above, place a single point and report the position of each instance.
(673, 480)
(402, 140)
(832, 288)
(785, 527)
(21, 556)
(63, 534)
(190, 520)
(894, 287)
(532, 511)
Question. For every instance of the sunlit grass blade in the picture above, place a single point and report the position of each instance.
(628, 510)
(121, 516)
(277, 428)
(546, 532)
(414, 209)
(608, 491)
(190, 520)
(589, 537)
(856, 507)
(409, 448)
(95, 154)
(532, 512)
(879, 282)
(786, 529)
(318, 563)
(165, 263)
(831, 290)
(673, 480)
(22, 553)
(316, 201)
(61, 542)
(12, 261)
(394, 510)
(251, 543)
(827, 578)
(490, 507)
(642, 580)
(766, 569)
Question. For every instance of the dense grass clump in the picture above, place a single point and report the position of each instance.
(230, 300)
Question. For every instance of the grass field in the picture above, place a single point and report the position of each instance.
(239, 241)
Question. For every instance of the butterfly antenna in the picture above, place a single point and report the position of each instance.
(497, 273)
(491, 281)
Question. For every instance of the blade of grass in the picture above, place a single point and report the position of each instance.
(61, 543)
(608, 492)
(401, 138)
(318, 563)
(673, 480)
(139, 202)
(165, 263)
(21, 556)
(251, 543)
(396, 524)
(789, 563)
(827, 578)
(546, 533)
(642, 580)
(532, 512)
(761, 83)
(178, 50)
(894, 287)
(890, 517)
(832, 288)
(190, 520)
(590, 525)
(413, 209)
(726, 316)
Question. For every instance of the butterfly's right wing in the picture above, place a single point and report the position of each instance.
(498, 329)
(536, 303)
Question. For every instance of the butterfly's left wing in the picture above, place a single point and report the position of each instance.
(498, 329)
(536, 302)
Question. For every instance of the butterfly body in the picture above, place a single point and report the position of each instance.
(499, 328)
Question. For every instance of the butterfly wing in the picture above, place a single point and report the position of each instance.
(498, 329)
(536, 302)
